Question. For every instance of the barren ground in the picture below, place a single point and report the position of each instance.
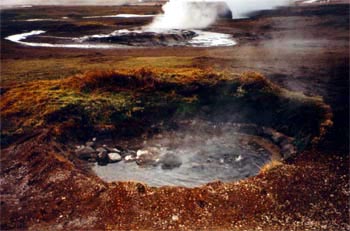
(44, 186)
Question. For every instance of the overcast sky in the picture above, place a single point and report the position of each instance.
(58, 2)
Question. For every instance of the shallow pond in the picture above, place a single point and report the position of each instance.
(195, 153)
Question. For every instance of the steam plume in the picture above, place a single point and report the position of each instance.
(191, 14)
(184, 14)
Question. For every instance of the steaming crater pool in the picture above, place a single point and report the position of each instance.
(126, 39)
(196, 153)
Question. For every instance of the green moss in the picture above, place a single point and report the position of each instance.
(132, 99)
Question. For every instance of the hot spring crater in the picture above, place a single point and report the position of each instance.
(126, 38)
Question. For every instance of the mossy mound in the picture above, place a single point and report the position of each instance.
(126, 102)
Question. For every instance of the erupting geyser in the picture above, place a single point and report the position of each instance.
(177, 26)
(199, 14)
(183, 14)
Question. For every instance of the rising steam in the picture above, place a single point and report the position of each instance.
(193, 14)
(184, 14)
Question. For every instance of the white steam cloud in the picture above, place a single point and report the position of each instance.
(183, 14)
(193, 14)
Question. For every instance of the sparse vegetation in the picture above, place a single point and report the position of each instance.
(113, 98)
(49, 97)
(270, 165)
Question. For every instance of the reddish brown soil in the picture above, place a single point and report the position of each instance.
(43, 187)
(51, 192)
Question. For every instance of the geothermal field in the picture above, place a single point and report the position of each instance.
(175, 115)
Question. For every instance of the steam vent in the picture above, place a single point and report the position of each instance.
(174, 115)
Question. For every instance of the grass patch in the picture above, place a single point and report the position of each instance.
(156, 62)
(14, 71)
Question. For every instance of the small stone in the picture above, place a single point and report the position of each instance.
(140, 153)
(129, 158)
(92, 160)
(89, 144)
(175, 217)
(238, 158)
(114, 157)
(140, 188)
(170, 161)
(147, 157)
(115, 150)
(222, 161)
(94, 139)
(86, 153)
(102, 155)
(101, 150)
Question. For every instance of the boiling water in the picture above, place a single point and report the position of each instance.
(202, 39)
(206, 151)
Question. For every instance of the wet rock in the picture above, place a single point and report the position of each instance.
(89, 144)
(147, 157)
(92, 160)
(170, 161)
(86, 153)
(101, 150)
(102, 157)
(109, 149)
(129, 158)
(114, 157)
(238, 158)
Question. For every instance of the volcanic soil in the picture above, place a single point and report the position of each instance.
(54, 98)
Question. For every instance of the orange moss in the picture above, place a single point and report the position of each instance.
(108, 97)
(270, 165)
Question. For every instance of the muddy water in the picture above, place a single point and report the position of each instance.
(199, 152)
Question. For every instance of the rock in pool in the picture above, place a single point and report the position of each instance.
(114, 157)
(170, 161)
(86, 153)
(147, 157)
